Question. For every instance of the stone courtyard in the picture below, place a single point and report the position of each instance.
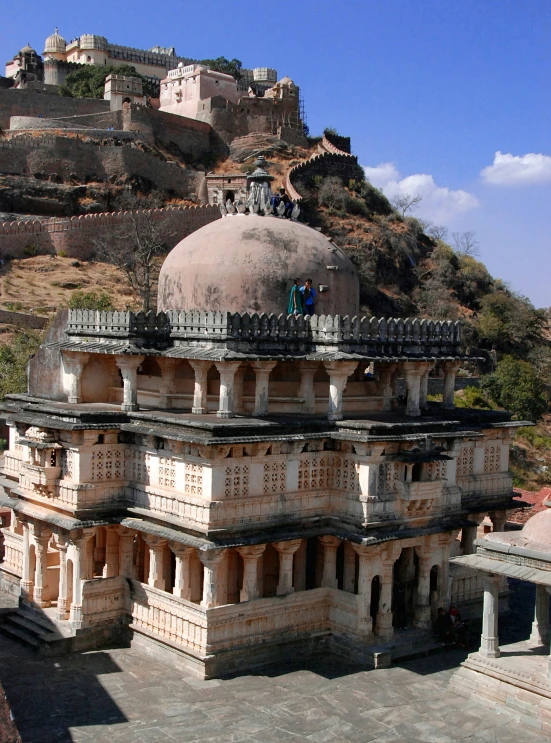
(123, 695)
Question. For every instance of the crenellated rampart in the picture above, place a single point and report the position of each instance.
(75, 236)
(329, 161)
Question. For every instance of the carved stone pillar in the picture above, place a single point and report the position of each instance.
(349, 568)
(27, 572)
(262, 371)
(498, 519)
(129, 370)
(111, 567)
(384, 615)
(338, 371)
(424, 390)
(182, 582)
(238, 381)
(211, 560)
(489, 645)
(413, 372)
(227, 371)
(540, 625)
(286, 552)
(450, 369)
(74, 364)
(156, 577)
(468, 536)
(126, 553)
(365, 578)
(307, 392)
(62, 599)
(422, 609)
(166, 387)
(330, 546)
(40, 595)
(201, 370)
(80, 553)
(251, 555)
(386, 387)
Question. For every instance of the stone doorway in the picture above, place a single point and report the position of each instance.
(404, 588)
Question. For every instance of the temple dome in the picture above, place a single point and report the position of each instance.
(535, 534)
(27, 49)
(247, 263)
(55, 43)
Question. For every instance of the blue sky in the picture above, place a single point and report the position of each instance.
(429, 91)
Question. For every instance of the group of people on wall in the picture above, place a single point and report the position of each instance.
(302, 299)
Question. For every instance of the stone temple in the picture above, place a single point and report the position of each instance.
(225, 485)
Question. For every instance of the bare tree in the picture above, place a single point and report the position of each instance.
(436, 231)
(466, 243)
(404, 203)
(135, 249)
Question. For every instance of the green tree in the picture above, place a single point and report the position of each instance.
(13, 361)
(90, 301)
(516, 386)
(221, 64)
(89, 80)
(509, 323)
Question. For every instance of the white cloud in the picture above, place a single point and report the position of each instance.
(512, 170)
(439, 204)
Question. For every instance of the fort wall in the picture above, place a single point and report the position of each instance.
(75, 236)
(32, 103)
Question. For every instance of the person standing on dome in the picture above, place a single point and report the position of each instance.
(309, 297)
(295, 300)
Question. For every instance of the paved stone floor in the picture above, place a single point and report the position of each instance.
(122, 695)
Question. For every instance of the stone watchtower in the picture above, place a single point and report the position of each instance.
(120, 89)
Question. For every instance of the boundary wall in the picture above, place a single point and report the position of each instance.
(75, 235)
(329, 161)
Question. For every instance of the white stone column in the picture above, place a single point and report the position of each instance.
(201, 370)
(422, 609)
(386, 373)
(450, 369)
(330, 546)
(489, 645)
(62, 600)
(286, 552)
(338, 371)
(27, 574)
(498, 519)
(211, 560)
(384, 615)
(365, 578)
(238, 381)
(306, 391)
(262, 371)
(468, 536)
(413, 372)
(129, 370)
(40, 595)
(74, 364)
(424, 390)
(251, 555)
(111, 567)
(80, 558)
(156, 577)
(540, 625)
(182, 582)
(227, 371)
(126, 553)
(166, 387)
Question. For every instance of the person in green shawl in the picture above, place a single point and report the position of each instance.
(295, 300)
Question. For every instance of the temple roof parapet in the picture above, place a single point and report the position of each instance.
(267, 334)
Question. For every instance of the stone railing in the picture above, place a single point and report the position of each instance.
(486, 484)
(264, 620)
(164, 615)
(105, 601)
(13, 551)
(410, 336)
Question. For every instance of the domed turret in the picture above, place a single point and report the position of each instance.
(247, 263)
(55, 44)
(27, 49)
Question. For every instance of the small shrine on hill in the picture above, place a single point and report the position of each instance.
(225, 485)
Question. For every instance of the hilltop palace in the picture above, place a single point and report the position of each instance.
(225, 485)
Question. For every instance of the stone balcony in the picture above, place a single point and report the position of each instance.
(39, 476)
(179, 334)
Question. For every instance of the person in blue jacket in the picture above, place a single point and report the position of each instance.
(308, 297)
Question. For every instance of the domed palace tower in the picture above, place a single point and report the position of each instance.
(227, 484)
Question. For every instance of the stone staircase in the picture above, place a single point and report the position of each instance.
(36, 629)
(406, 644)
